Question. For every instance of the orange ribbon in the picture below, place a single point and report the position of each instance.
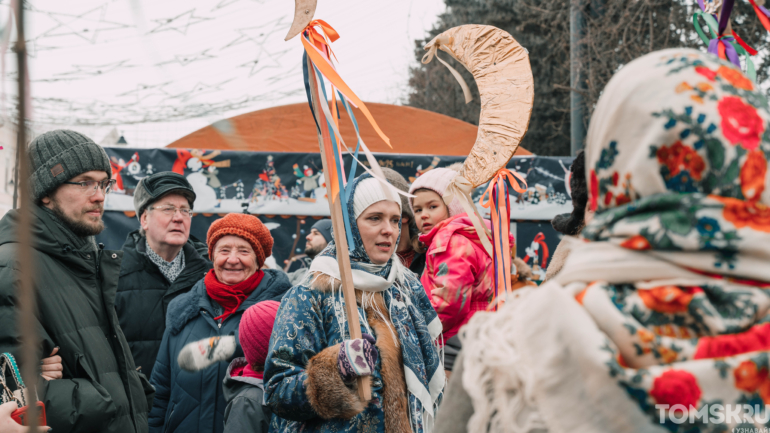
(322, 41)
(513, 177)
(721, 49)
(315, 49)
(501, 226)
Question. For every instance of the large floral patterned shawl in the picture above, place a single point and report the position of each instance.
(665, 301)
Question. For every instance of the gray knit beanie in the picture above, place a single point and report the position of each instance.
(58, 156)
(324, 227)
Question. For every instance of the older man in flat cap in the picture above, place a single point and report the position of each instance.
(160, 262)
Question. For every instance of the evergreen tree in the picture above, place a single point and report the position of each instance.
(617, 32)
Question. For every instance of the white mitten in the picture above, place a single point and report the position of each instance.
(201, 354)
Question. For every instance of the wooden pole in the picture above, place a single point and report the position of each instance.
(16, 175)
(26, 290)
(338, 225)
(578, 60)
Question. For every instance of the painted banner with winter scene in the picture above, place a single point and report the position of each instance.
(287, 191)
(294, 184)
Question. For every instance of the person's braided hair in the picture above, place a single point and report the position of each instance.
(572, 223)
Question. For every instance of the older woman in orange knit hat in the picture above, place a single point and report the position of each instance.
(202, 326)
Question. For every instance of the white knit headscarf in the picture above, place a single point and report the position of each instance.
(369, 192)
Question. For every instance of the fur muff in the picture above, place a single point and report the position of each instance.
(327, 393)
(394, 391)
(394, 395)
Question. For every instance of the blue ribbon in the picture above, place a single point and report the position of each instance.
(338, 164)
(345, 190)
(306, 76)
(354, 164)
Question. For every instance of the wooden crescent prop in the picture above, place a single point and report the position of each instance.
(503, 74)
(303, 14)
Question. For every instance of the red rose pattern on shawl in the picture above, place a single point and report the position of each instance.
(740, 122)
(725, 154)
(676, 387)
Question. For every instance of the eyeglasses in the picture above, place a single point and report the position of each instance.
(89, 187)
(171, 210)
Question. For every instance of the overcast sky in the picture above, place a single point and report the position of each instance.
(162, 69)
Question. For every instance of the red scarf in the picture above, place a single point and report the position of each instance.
(231, 297)
(246, 371)
(407, 257)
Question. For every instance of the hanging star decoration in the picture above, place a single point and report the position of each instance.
(85, 71)
(87, 25)
(200, 89)
(225, 3)
(278, 78)
(257, 34)
(264, 60)
(145, 91)
(186, 59)
(179, 23)
(34, 47)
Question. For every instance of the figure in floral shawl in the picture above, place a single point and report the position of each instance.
(312, 364)
(661, 310)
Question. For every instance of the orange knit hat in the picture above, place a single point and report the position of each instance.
(247, 227)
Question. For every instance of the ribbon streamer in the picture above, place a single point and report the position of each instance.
(461, 188)
(747, 47)
(369, 157)
(433, 52)
(725, 46)
(322, 41)
(319, 61)
(496, 199)
(318, 55)
(724, 16)
(335, 132)
(724, 41)
(762, 14)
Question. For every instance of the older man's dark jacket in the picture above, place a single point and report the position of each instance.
(144, 294)
(75, 284)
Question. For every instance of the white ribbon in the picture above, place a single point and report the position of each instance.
(433, 52)
(461, 188)
(378, 174)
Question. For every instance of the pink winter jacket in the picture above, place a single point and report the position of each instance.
(459, 274)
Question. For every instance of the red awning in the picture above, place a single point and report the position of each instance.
(290, 128)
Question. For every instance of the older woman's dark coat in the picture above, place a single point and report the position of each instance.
(193, 402)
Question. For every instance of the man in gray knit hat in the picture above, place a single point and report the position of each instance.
(320, 235)
(96, 387)
(160, 262)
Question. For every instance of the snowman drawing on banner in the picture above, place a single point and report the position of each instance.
(320, 192)
(134, 168)
(538, 253)
(206, 196)
(196, 161)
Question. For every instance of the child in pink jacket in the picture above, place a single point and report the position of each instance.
(459, 273)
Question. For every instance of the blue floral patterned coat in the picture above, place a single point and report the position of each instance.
(308, 322)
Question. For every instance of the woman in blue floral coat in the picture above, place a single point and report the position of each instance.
(312, 365)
